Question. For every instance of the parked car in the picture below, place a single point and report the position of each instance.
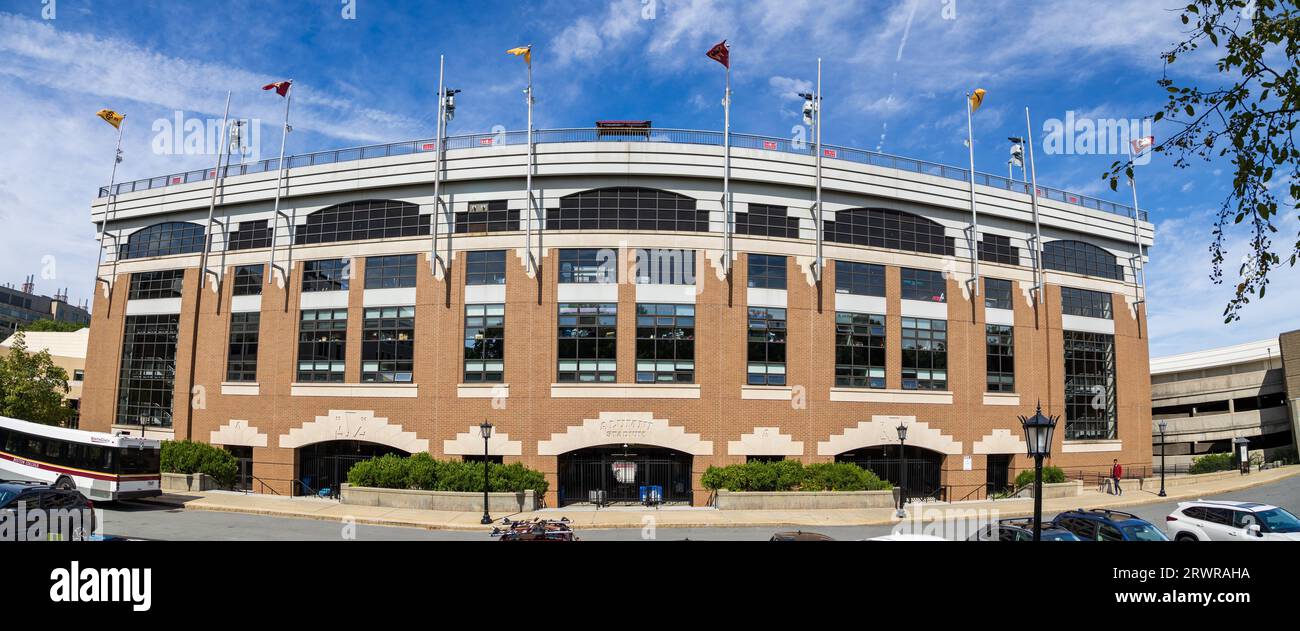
(1231, 521)
(906, 537)
(1021, 529)
(1102, 524)
(20, 499)
(799, 535)
(535, 530)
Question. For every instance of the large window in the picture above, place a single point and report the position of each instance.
(998, 249)
(326, 275)
(923, 284)
(148, 371)
(1081, 258)
(893, 229)
(766, 347)
(665, 343)
(485, 343)
(163, 239)
(248, 280)
(388, 345)
(587, 348)
(490, 216)
(366, 219)
(1001, 360)
(485, 267)
(588, 265)
(997, 293)
(925, 354)
(665, 267)
(390, 272)
(241, 361)
(763, 220)
(322, 344)
(859, 350)
(859, 279)
(153, 285)
(1089, 304)
(627, 208)
(1090, 407)
(251, 234)
(766, 271)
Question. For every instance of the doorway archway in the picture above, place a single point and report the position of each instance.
(924, 467)
(324, 466)
(615, 474)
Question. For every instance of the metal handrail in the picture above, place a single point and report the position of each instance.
(679, 136)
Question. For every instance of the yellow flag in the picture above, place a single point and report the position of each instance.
(976, 99)
(526, 51)
(111, 117)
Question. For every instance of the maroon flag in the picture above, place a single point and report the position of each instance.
(280, 87)
(721, 53)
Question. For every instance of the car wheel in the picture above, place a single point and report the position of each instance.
(64, 483)
(1186, 536)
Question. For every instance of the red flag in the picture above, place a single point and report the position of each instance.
(280, 87)
(721, 53)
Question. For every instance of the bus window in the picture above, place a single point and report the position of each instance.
(131, 461)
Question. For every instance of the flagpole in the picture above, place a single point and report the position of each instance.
(1033, 202)
(1140, 265)
(817, 104)
(212, 201)
(528, 176)
(109, 208)
(726, 171)
(436, 260)
(279, 179)
(974, 214)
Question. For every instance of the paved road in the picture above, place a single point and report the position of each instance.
(149, 521)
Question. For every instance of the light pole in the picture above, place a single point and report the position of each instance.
(902, 457)
(1038, 435)
(1163, 425)
(486, 429)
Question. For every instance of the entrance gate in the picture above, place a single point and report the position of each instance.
(619, 473)
(324, 466)
(924, 468)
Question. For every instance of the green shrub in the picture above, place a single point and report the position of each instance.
(791, 475)
(841, 476)
(189, 457)
(422, 471)
(1051, 475)
(1214, 462)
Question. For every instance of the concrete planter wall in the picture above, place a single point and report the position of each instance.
(188, 482)
(1172, 481)
(1060, 489)
(520, 502)
(802, 500)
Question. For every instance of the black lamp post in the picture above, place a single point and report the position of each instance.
(1038, 435)
(486, 429)
(1163, 425)
(902, 456)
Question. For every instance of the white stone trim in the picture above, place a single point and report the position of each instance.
(391, 297)
(883, 430)
(1000, 441)
(767, 393)
(586, 292)
(483, 391)
(874, 305)
(613, 428)
(1091, 446)
(1004, 317)
(246, 304)
(1089, 325)
(674, 294)
(353, 425)
(878, 395)
(624, 391)
(1001, 398)
(323, 299)
(924, 309)
(239, 389)
(485, 294)
(238, 433)
(765, 441)
(359, 390)
(756, 297)
(470, 443)
(154, 306)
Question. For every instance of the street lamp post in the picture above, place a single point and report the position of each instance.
(902, 456)
(1038, 435)
(486, 429)
(1163, 425)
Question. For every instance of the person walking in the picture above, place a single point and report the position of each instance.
(1116, 472)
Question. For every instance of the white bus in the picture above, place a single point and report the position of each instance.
(103, 467)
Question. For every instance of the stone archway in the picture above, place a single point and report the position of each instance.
(882, 430)
(237, 433)
(358, 425)
(765, 441)
(1000, 441)
(611, 428)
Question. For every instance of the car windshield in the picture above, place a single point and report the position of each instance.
(1144, 532)
(1059, 535)
(1274, 520)
(5, 496)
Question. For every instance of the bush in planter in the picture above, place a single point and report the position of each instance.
(841, 476)
(189, 457)
(791, 475)
(423, 472)
(1051, 475)
(1214, 462)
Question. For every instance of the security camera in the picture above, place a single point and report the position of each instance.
(809, 109)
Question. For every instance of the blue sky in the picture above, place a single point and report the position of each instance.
(894, 77)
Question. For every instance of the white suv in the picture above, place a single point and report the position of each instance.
(1231, 521)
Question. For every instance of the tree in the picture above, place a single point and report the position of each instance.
(31, 386)
(55, 326)
(1251, 122)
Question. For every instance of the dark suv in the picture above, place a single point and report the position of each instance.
(67, 514)
(1100, 524)
(1021, 529)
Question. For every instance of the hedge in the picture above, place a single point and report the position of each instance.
(1051, 475)
(422, 472)
(189, 457)
(792, 475)
(1214, 462)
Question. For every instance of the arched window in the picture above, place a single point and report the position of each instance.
(627, 208)
(1081, 258)
(162, 239)
(885, 228)
(361, 220)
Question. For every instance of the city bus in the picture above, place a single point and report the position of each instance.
(102, 467)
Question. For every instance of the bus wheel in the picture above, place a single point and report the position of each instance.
(64, 483)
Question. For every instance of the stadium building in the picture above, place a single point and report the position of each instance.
(622, 332)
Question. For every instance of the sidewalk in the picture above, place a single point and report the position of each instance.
(685, 517)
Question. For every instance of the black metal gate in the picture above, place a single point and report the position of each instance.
(924, 468)
(244, 460)
(616, 474)
(997, 478)
(322, 467)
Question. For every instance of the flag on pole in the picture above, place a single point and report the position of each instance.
(111, 117)
(280, 87)
(1142, 144)
(976, 99)
(525, 51)
(721, 53)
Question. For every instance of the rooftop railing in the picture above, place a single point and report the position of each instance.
(680, 136)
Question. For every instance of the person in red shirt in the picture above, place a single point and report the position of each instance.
(1116, 472)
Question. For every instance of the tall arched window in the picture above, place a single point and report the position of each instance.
(627, 208)
(162, 239)
(361, 220)
(1081, 258)
(885, 228)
